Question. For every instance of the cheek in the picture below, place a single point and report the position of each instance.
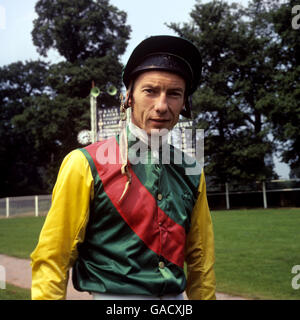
(139, 115)
(176, 110)
(141, 109)
(175, 119)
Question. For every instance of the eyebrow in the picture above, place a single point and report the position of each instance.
(176, 89)
(154, 86)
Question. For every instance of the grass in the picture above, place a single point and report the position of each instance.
(19, 236)
(14, 293)
(255, 250)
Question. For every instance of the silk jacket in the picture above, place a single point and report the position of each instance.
(138, 246)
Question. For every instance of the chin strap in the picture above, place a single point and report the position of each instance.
(124, 147)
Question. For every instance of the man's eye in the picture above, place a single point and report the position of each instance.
(148, 90)
(175, 94)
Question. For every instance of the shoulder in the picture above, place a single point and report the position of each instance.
(74, 157)
(92, 148)
(74, 161)
(102, 151)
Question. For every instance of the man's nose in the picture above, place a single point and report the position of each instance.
(161, 104)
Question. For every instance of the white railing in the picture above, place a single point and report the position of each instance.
(264, 190)
(287, 193)
(38, 205)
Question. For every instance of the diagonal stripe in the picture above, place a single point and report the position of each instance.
(139, 208)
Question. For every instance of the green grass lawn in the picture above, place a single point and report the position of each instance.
(255, 249)
(14, 293)
(19, 236)
(255, 252)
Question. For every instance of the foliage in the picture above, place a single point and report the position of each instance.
(248, 100)
(237, 74)
(80, 29)
(43, 106)
(285, 115)
(19, 84)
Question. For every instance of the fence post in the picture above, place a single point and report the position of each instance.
(7, 207)
(2, 278)
(36, 200)
(264, 195)
(227, 196)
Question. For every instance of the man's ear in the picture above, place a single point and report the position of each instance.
(128, 101)
(129, 98)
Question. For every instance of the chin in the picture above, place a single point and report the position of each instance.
(158, 131)
(159, 126)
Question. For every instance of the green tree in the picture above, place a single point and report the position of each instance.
(236, 76)
(80, 29)
(285, 115)
(91, 36)
(19, 84)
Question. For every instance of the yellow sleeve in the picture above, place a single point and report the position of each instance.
(199, 251)
(63, 229)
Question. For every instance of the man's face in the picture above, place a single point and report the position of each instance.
(157, 100)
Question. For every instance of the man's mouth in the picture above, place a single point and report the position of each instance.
(159, 120)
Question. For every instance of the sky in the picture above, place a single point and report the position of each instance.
(145, 17)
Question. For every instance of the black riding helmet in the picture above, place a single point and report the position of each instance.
(166, 53)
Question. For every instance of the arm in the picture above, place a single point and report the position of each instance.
(199, 251)
(63, 229)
